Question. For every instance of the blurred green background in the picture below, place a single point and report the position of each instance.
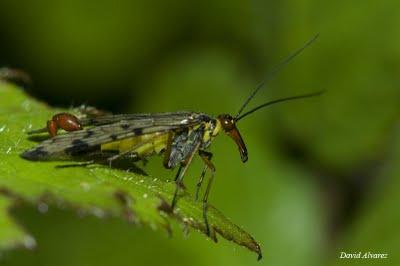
(323, 174)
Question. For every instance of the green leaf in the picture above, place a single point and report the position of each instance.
(10, 233)
(95, 189)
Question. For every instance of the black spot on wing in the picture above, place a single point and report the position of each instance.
(36, 154)
(78, 146)
(138, 131)
(89, 134)
(113, 137)
(125, 126)
(79, 142)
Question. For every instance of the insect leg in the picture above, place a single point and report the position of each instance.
(179, 172)
(15, 75)
(185, 166)
(206, 156)
(203, 173)
(167, 153)
(119, 155)
(90, 112)
(80, 164)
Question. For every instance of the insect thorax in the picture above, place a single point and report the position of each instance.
(187, 140)
(211, 130)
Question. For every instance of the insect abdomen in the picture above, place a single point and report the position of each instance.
(143, 146)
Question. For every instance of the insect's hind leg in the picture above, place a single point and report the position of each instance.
(87, 111)
(15, 75)
(206, 156)
(115, 157)
(79, 164)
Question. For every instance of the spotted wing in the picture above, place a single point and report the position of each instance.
(174, 117)
(116, 128)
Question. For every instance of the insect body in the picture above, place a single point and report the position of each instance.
(178, 136)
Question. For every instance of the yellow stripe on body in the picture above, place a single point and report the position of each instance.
(142, 145)
(210, 134)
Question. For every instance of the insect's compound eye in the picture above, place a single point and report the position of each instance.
(226, 122)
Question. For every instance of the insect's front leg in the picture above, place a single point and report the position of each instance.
(206, 156)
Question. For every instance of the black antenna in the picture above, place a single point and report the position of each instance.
(274, 71)
(279, 101)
